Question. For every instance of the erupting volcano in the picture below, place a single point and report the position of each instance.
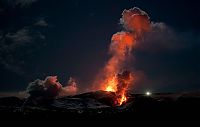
(146, 62)
(135, 22)
(116, 77)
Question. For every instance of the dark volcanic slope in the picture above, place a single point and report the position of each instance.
(100, 104)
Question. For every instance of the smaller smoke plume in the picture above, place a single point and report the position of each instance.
(50, 87)
(70, 88)
(36, 88)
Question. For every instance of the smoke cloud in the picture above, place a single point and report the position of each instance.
(163, 38)
(50, 87)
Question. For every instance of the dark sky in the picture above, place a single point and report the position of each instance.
(71, 38)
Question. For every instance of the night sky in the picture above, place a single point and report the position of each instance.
(71, 38)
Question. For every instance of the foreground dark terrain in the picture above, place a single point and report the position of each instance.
(99, 105)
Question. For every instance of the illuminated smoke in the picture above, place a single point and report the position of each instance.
(135, 22)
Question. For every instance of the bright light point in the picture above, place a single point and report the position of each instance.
(148, 93)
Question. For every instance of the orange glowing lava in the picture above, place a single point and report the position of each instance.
(119, 85)
(110, 89)
(122, 100)
(111, 85)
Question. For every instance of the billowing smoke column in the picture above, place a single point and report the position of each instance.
(135, 22)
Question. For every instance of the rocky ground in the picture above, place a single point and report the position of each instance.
(99, 105)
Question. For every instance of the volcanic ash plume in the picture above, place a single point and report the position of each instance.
(135, 22)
